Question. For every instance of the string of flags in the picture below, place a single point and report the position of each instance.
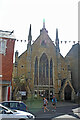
(52, 41)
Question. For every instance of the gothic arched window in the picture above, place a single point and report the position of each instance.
(43, 70)
(51, 72)
(36, 72)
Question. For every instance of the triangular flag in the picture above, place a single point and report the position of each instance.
(74, 42)
(61, 41)
(69, 41)
(65, 42)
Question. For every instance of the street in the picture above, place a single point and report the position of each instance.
(63, 111)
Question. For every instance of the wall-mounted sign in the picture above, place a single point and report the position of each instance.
(23, 93)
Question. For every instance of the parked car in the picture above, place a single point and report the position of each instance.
(15, 105)
(8, 114)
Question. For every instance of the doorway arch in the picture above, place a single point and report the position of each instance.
(68, 92)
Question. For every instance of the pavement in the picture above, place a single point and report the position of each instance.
(76, 111)
(64, 111)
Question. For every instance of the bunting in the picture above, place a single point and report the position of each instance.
(60, 42)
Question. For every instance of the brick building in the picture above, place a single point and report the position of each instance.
(44, 69)
(7, 42)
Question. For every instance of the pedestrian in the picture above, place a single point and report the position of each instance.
(54, 101)
(45, 102)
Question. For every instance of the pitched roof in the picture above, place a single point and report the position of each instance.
(7, 34)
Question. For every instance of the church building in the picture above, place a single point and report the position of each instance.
(43, 69)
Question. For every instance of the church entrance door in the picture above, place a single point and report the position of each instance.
(67, 92)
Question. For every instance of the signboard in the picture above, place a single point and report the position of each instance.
(23, 93)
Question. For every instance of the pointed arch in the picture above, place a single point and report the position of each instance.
(36, 72)
(51, 72)
(67, 92)
(67, 89)
(43, 70)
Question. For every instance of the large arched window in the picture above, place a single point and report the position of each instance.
(51, 72)
(36, 72)
(43, 70)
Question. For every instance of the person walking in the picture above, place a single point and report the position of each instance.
(45, 102)
(54, 101)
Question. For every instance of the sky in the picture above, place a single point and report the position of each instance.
(17, 15)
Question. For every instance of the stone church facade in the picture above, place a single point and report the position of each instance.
(44, 69)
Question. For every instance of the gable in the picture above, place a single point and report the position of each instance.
(67, 82)
(43, 41)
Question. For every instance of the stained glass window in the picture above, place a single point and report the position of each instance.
(36, 72)
(43, 70)
(51, 72)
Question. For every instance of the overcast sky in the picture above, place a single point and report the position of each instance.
(17, 15)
